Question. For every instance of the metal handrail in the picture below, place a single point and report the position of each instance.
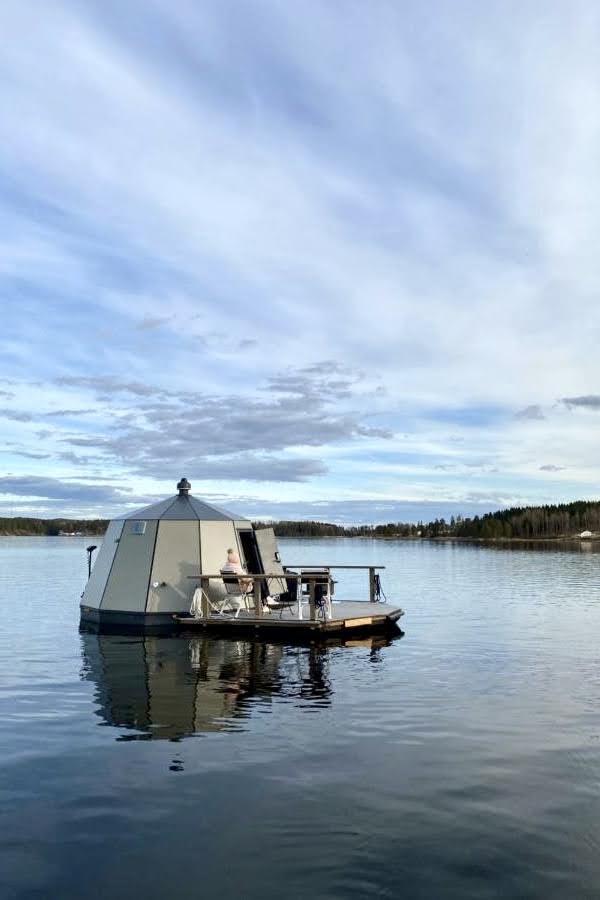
(297, 576)
(370, 569)
(329, 566)
(205, 577)
(304, 576)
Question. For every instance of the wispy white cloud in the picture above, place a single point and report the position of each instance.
(589, 401)
(533, 412)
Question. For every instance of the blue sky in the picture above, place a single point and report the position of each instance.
(336, 259)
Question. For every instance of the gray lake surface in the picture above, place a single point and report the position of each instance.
(461, 760)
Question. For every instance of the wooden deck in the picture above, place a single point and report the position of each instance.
(355, 616)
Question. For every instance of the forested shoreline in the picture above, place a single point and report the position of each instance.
(22, 526)
(565, 520)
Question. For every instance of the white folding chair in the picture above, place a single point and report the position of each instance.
(234, 592)
(219, 606)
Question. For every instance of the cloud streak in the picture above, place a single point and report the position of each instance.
(224, 437)
(589, 401)
(531, 413)
(55, 489)
(15, 415)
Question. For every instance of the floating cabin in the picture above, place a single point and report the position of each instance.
(160, 567)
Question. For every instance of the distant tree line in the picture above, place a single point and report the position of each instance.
(562, 520)
(22, 526)
(558, 520)
(288, 528)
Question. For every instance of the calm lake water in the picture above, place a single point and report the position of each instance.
(462, 760)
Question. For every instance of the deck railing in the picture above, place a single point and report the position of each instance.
(310, 575)
(371, 569)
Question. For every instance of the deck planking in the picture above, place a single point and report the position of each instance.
(346, 616)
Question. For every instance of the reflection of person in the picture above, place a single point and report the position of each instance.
(234, 566)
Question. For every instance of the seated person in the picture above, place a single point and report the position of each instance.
(234, 566)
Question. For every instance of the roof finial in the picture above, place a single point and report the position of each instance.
(184, 487)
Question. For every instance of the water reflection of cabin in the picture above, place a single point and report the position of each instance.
(158, 687)
(153, 561)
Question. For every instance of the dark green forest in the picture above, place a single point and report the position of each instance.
(556, 520)
(22, 526)
(562, 520)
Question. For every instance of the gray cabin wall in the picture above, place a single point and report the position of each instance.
(127, 587)
(215, 539)
(92, 596)
(168, 552)
(176, 557)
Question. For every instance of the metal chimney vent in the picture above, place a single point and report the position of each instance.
(184, 487)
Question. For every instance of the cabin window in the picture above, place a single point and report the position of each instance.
(138, 527)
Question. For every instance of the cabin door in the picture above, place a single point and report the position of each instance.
(271, 561)
(250, 552)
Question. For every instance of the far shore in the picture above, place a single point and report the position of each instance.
(441, 538)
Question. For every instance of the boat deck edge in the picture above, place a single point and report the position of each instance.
(373, 621)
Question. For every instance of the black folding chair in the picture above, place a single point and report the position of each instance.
(287, 598)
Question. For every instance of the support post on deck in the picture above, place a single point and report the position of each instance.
(258, 610)
(311, 599)
(372, 584)
(204, 599)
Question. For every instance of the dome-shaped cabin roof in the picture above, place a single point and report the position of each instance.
(181, 508)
